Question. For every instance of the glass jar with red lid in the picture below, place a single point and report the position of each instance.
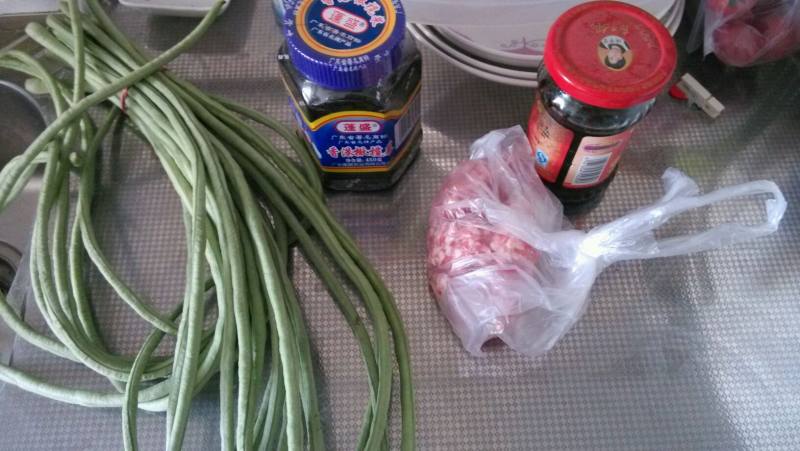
(604, 64)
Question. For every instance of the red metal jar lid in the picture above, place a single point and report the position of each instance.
(609, 54)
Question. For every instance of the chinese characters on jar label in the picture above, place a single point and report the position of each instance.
(362, 140)
(550, 142)
(354, 78)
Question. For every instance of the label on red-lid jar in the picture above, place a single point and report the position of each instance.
(595, 159)
(595, 156)
(550, 142)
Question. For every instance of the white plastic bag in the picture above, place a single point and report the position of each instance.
(503, 262)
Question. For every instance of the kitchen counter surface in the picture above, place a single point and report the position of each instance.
(691, 352)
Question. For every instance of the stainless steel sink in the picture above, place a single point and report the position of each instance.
(21, 120)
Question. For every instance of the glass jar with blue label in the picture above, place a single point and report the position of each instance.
(353, 76)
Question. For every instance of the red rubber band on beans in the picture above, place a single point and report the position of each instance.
(123, 96)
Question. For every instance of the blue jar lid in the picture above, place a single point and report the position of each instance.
(345, 44)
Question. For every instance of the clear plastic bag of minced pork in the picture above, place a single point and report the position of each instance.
(504, 262)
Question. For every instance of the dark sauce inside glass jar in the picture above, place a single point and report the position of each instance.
(585, 121)
(605, 62)
(357, 104)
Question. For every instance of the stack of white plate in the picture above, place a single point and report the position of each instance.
(511, 54)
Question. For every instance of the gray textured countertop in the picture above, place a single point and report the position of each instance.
(693, 352)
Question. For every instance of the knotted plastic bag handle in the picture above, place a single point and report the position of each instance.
(631, 236)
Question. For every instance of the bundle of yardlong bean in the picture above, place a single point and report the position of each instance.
(245, 204)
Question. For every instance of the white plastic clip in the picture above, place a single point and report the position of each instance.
(698, 95)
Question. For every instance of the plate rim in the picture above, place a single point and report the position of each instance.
(464, 60)
(486, 75)
(528, 61)
(432, 34)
